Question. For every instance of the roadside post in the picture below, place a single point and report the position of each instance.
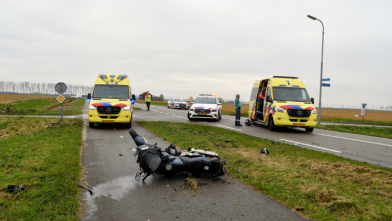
(363, 112)
(356, 118)
(61, 88)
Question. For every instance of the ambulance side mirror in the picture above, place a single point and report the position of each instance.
(268, 98)
(312, 100)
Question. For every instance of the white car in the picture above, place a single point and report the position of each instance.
(76, 96)
(177, 103)
(206, 106)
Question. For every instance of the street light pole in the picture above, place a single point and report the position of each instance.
(321, 72)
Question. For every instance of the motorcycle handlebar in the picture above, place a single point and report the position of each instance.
(136, 138)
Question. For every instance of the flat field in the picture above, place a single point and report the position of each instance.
(11, 104)
(15, 98)
(385, 116)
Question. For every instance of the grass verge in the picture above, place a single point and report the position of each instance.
(47, 161)
(383, 132)
(349, 121)
(321, 186)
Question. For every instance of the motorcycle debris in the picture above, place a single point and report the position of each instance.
(121, 136)
(239, 170)
(273, 142)
(91, 192)
(133, 149)
(120, 155)
(265, 151)
(16, 188)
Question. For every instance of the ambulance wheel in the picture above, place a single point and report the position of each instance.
(309, 129)
(271, 124)
(90, 125)
(247, 122)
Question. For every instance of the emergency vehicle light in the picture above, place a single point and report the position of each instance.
(284, 77)
(121, 77)
(103, 76)
(207, 95)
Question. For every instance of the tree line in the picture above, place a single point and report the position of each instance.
(25, 87)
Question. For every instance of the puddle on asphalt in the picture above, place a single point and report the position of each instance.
(115, 189)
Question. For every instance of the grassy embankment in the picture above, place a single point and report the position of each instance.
(321, 186)
(44, 155)
(39, 105)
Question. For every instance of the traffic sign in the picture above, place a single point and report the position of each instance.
(191, 98)
(363, 105)
(60, 87)
(326, 79)
(363, 112)
(60, 98)
(326, 85)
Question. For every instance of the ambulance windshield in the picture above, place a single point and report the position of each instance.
(111, 91)
(290, 94)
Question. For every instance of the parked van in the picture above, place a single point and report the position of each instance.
(76, 96)
(111, 100)
(286, 104)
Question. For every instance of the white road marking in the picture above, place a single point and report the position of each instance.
(173, 115)
(363, 141)
(227, 127)
(312, 146)
(161, 112)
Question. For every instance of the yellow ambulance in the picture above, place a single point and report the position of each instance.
(286, 104)
(111, 101)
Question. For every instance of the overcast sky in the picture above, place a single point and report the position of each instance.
(183, 48)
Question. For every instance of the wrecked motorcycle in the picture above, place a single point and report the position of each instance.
(152, 159)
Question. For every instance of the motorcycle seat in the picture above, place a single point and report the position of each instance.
(192, 165)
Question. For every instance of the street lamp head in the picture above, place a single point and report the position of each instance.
(311, 17)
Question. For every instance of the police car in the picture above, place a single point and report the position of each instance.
(177, 103)
(205, 106)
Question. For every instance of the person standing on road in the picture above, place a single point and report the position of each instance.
(237, 106)
(148, 100)
(260, 99)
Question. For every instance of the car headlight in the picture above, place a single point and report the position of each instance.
(92, 107)
(280, 110)
(126, 108)
(192, 109)
(214, 110)
(314, 111)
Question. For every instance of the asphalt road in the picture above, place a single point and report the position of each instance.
(109, 170)
(374, 150)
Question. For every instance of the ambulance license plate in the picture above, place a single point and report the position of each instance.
(108, 121)
(202, 114)
(299, 124)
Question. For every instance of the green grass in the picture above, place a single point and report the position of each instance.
(364, 130)
(325, 186)
(43, 106)
(47, 161)
(350, 121)
(136, 108)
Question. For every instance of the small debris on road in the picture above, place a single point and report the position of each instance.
(299, 209)
(120, 155)
(121, 136)
(91, 192)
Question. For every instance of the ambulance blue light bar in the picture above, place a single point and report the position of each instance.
(121, 77)
(103, 76)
